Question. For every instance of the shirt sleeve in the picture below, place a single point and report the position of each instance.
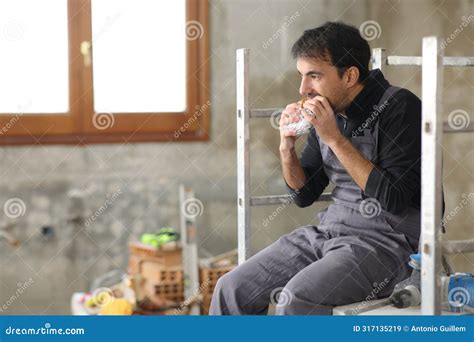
(395, 181)
(316, 179)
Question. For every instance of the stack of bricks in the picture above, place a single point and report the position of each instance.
(208, 279)
(161, 272)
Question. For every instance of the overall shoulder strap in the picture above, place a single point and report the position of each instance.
(387, 95)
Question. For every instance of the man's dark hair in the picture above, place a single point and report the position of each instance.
(337, 43)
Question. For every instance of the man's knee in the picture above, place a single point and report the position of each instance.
(228, 290)
(228, 284)
(219, 303)
(307, 294)
(300, 298)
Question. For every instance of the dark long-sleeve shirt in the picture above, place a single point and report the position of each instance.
(395, 180)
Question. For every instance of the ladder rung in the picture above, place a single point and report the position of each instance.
(265, 112)
(282, 199)
(416, 60)
(458, 246)
(403, 60)
(459, 61)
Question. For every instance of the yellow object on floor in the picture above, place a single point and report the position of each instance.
(117, 307)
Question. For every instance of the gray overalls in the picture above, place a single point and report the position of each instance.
(351, 256)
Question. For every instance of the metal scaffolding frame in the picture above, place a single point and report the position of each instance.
(432, 62)
(189, 251)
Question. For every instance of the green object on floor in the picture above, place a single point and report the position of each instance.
(164, 235)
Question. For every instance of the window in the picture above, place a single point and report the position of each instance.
(92, 71)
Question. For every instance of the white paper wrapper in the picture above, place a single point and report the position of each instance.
(301, 127)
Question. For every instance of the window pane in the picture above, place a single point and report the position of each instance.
(139, 55)
(34, 56)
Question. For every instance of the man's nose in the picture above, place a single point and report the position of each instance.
(305, 87)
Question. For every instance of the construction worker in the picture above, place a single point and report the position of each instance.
(365, 138)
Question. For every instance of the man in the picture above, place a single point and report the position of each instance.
(366, 140)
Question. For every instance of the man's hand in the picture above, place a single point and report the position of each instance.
(291, 167)
(324, 120)
(288, 136)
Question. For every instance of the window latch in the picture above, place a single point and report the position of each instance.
(86, 48)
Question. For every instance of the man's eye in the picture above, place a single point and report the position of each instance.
(315, 77)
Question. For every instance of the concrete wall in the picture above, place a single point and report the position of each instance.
(143, 179)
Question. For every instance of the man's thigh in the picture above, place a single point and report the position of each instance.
(275, 265)
(348, 274)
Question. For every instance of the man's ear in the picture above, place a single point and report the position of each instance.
(351, 76)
